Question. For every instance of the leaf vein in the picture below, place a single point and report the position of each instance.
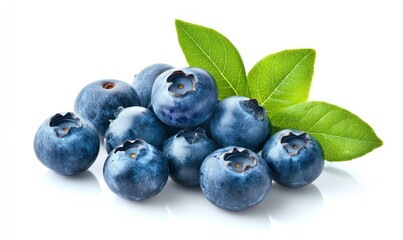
(282, 81)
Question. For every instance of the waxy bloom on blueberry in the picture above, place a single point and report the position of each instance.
(240, 121)
(185, 153)
(66, 144)
(136, 170)
(99, 101)
(295, 158)
(143, 81)
(184, 98)
(234, 178)
(134, 123)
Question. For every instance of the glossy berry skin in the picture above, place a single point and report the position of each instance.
(185, 153)
(134, 123)
(136, 170)
(66, 144)
(234, 178)
(143, 81)
(184, 98)
(99, 101)
(240, 121)
(295, 158)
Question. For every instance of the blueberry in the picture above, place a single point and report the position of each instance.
(66, 144)
(184, 98)
(132, 123)
(169, 130)
(136, 170)
(294, 157)
(143, 82)
(240, 121)
(234, 178)
(206, 125)
(99, 101)
(185, 153)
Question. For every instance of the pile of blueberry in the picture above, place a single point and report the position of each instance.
(171, 123)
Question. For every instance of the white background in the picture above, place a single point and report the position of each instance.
(51, 49)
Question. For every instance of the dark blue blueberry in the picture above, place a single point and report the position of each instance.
(143, 82)
(135, 123)
(295, 158)
(169, 130)
(234, 178)
(136, 170)
(66, 144)
(184, 98)
(99, 101)
(185, 153)
(240, 121)
(206, 125)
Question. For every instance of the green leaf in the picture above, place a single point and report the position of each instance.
(282, 79)
(206, 48)
(343, 135)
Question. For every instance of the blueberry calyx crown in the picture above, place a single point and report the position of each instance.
(131, 148)
(191, 136)
(181, 84)
(63, 123)
(239, 161)
(293, 143)
(253, 107)
(108, 85)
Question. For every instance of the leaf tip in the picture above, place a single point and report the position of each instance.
(178, 21)
(380, 142)
(313, 52)
(308, 52)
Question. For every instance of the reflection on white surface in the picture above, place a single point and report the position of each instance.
(177, 208)
(294, 205)
(337, 181)
(150, 210)
(189, 205)
(184, 204)
(84, 184)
